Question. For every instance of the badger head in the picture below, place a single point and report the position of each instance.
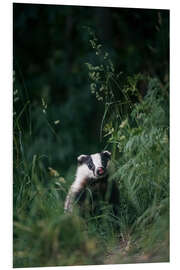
(95, 165)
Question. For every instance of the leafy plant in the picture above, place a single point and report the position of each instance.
(137, 128)
(135, 125)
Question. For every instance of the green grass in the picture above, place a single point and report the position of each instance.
(43, 234)
(136, 130)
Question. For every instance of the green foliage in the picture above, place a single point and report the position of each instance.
(53, 112)
(143, 146)
(43, 234)
(101, 75)
(140, 141)
(49, 52)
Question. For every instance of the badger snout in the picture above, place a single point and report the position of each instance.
(100, 171)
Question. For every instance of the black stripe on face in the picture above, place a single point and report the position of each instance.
(86, 159)
(104, 159)
(90, 163)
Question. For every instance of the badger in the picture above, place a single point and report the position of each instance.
(92, 174)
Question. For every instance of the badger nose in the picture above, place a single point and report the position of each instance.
(100, 171)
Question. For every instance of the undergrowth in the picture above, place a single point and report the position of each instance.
(135, 127)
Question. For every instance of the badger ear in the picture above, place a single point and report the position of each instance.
(81, 159)
(107, 154)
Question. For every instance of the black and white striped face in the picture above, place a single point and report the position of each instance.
(95, 166)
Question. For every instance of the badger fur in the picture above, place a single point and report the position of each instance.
(92, 174)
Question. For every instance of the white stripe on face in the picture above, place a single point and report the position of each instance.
(96, 158)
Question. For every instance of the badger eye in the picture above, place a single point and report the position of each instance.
(90, 165)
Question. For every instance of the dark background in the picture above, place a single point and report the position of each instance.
(50, 49)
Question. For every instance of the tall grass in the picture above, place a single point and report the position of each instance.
(135, 127)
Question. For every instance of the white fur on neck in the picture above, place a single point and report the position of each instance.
(82, 174)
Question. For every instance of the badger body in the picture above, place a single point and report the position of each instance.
(91, 175)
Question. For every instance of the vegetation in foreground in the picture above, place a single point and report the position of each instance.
(135, 126)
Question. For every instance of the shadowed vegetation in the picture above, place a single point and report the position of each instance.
(74, 96)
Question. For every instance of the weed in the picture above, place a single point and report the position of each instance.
(135, 126)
